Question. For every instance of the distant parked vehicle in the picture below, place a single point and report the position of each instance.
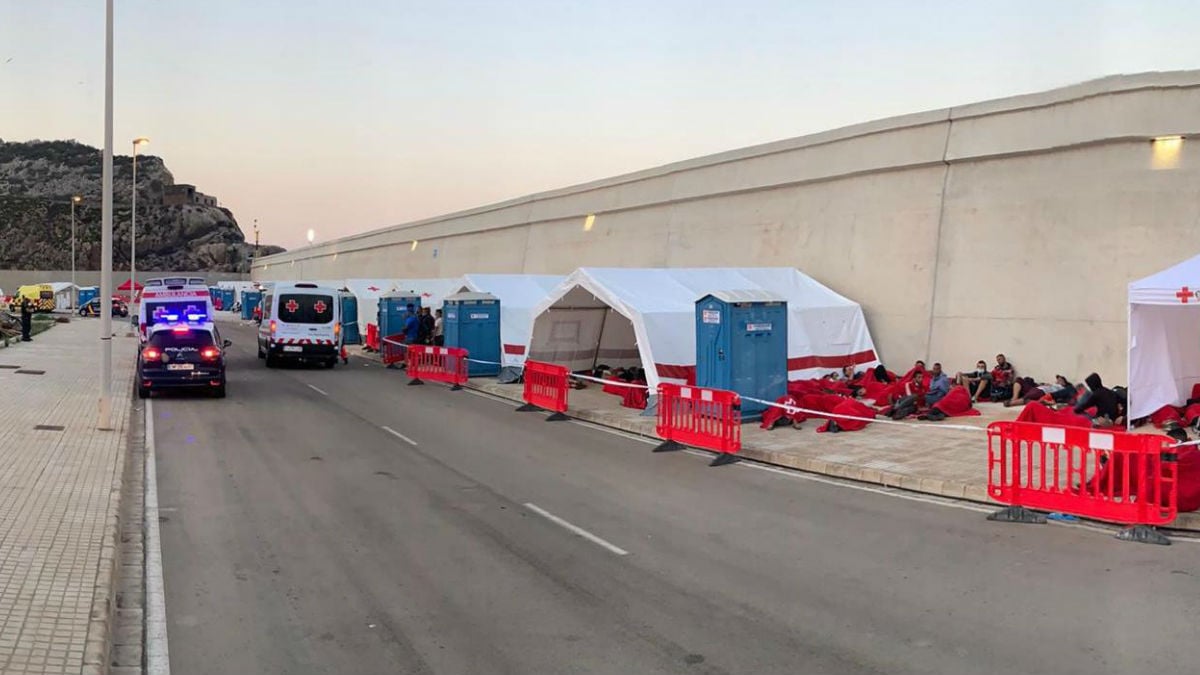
(92, 308)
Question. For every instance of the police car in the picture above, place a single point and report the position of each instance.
(183, 355)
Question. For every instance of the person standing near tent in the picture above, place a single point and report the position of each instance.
(439, 336)
(425, 330)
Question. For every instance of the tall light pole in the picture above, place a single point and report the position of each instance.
(133, 231)
(74, 289)
(104, 419)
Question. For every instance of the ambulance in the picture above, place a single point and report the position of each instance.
(174, 300)
(300, 322)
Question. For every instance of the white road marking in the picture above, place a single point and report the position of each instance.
(575, 529)
(399, 435)
(318, 390)
(158, 660)
(483, 394)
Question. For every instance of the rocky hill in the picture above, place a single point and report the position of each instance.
(37, 180)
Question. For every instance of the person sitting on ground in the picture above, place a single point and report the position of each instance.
(919, 366)
(977, 381)
(1003, 376)
(1104, 400)
(911, 397)
(939, 385)
(1025, 390)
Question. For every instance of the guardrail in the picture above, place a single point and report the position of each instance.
(704, 418)
(546, 386)
(1112, 476)
(437, 364)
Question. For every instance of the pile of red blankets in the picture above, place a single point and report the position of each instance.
(820, 403)
(631, 397)
(1181, 415)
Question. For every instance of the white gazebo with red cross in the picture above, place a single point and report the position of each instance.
(1164, 338)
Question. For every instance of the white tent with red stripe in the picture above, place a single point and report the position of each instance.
(519, 294)
(624, 317)
(1164, 338)
(433, 291)
(367, 292)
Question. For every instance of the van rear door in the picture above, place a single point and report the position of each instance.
(305, 318)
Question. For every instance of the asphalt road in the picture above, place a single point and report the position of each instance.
(300, 535)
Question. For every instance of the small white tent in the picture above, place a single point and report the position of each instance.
(518, 294)
(646, 317)
(64, 294)
(1164, 338)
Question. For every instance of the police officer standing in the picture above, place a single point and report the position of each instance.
(26, 319)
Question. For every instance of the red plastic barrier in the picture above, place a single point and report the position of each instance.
(439, 364)
(546, 386)
(705, 418)
(1092, 473)
(393, 349)
(372, 338)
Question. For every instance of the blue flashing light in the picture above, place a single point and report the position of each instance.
(195, 317)
(171, 317)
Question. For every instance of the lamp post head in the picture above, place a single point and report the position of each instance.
(311, 235)
(140, 140)
(76, 199)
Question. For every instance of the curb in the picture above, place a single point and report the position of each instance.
(930, 486)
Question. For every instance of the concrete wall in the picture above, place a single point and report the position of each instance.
(11, 279)
(1011, 225)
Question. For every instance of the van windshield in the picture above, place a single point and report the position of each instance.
(304, 308)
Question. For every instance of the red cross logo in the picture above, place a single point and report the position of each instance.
(292, 306)
(372, 288)
(1184, 294)
(320, 306)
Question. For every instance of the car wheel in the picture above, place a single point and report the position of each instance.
(143, 392)
(272, 361)
(219, 392)
(331, 362)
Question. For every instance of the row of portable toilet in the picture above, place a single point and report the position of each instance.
(222, 298)
(469, 320)
(741, 337)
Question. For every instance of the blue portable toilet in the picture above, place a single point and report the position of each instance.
(86, 293)
(472, 321)
(350, 334)
(250, 300)
(228, 295)
(392, 309)
(742, 345)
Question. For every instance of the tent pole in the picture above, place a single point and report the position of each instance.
(1128, 365)
(600, 339)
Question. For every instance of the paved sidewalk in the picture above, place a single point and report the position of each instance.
(944, 462)
(60, 498)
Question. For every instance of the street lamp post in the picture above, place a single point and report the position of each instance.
(133, 230)
(74, 288)
(104, 417)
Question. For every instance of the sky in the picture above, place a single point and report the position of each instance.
(353, 115)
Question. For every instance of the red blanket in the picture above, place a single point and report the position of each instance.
(772, 414)
(1188, 477)
(849, 406)
(956, 403)
(1041, 414)
(631, 397)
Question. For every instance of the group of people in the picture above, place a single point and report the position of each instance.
(929, 393)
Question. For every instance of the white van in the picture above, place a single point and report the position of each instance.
(174, 300)
(300, 322)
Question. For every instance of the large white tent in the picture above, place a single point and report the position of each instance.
(1164, 338)
(432, 291)
(519, 294)
(646, 317)
(367, 292)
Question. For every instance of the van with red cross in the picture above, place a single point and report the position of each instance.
(301, 322)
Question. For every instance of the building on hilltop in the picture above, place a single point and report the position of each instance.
(182, 193)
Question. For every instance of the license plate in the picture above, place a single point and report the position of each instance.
(181, 366)
(293, 348)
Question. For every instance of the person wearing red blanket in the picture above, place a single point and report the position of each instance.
(850, 408)
(1002, 379)
(956, 403)
(1041, 413)
(907, 397)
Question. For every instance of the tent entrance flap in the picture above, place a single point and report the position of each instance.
(582, 333)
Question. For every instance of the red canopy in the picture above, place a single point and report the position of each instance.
(125, 286)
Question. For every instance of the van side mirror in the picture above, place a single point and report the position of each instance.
(226, 343)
